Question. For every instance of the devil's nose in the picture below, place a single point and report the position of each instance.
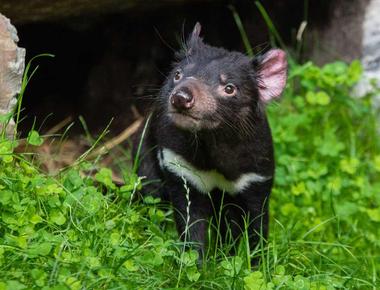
(182, 100)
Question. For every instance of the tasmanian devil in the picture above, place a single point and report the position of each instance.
(208, 141)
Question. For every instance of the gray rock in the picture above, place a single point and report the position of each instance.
(371, 50)
(12, 63)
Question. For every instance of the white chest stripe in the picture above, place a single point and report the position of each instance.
(203, 180)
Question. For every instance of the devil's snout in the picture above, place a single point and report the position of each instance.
(182, 99)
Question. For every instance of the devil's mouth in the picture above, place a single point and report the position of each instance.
(186, 121)
(184, 115)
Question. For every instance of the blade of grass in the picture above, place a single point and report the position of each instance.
(137, 157)
(25, 80)
(274, 33)
(243, 34)
(269, 23)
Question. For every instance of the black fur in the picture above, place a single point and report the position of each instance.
(241, 143)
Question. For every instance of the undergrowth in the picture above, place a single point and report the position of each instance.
(76, 231)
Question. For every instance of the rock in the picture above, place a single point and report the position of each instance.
(351, 31)
(371, 50)
(338, 36)
(12, 63)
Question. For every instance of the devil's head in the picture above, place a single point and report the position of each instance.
(211, 87)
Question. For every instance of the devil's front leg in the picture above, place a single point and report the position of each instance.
(248, 211)
(192, 210)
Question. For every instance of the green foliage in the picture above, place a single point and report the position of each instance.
(327, 188)
(74, 231)
(34, 138)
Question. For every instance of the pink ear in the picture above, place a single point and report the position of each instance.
(272, 71)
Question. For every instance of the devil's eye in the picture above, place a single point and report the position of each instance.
(229, 89)
(177, 76)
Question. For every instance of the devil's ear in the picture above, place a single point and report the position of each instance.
(194, 40)
(196, 30)
(271, 69)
